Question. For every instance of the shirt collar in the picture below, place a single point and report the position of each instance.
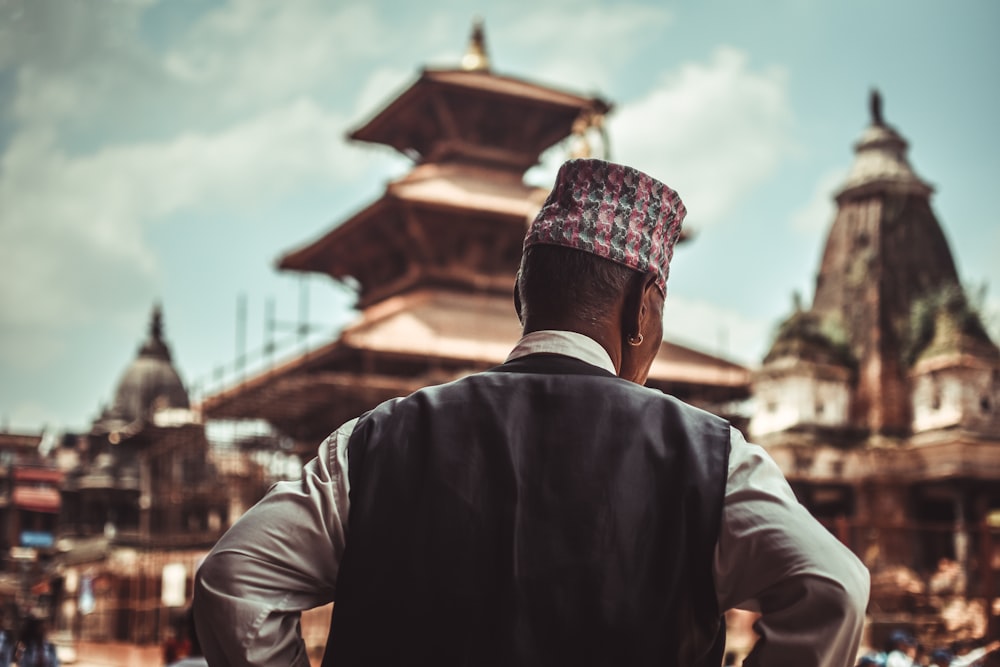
(567, 343)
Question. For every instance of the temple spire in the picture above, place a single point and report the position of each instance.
(876, 107)
(156, 322)
(881, 162)
(155, 346)
(475, 58)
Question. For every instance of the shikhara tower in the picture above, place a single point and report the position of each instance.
(881, 402)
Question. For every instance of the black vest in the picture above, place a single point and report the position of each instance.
(542, 513)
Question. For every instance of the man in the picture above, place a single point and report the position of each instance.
(551, 511)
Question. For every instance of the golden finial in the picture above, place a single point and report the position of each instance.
(475, 58)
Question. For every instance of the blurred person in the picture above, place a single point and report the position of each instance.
(171, 647)
(188, 637)
(6, 646)
(551, 510)
(941, 658)
(871, 660)
(35, 648)
(948, 579)
(902, 649)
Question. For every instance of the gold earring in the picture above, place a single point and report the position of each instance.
(636, 340)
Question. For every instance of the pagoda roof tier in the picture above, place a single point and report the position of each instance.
(25, 442)
(475, 116)
(423, 338)
(439, 225)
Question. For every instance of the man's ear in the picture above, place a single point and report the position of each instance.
(635, 310)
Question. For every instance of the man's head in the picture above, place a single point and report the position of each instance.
(596, 260)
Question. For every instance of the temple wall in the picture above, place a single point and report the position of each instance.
(793, 400)
(959, 396)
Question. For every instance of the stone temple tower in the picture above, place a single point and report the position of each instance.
(881, 401)
(885, 252)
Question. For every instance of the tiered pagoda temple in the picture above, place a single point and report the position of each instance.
(881, 403)
(435, 258)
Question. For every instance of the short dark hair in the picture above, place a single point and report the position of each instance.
(566, 282)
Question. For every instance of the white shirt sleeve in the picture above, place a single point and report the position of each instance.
(277, 560)
(775, 558)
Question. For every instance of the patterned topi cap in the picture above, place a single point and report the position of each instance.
(612, 211)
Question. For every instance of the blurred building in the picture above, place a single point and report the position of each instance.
(142, 503)
(29, 516)
(881, 403)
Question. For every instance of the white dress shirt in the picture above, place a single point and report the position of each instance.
(283, 556)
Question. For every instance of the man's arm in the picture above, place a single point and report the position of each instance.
(775, 558)
(278, 559)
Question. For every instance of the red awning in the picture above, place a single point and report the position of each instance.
(37, 499)
(35, 474)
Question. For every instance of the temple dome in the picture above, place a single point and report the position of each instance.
(149, 384)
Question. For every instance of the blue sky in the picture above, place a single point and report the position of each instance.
(171, 151)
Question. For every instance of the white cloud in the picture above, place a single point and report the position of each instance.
(380, 88)
(27, 416)
(88, 70)
(75, 61)
(711, 130)
(254, 51)
(585, 45)
(817, 214)
(73, 246)
(109, 136)
(710, 328)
